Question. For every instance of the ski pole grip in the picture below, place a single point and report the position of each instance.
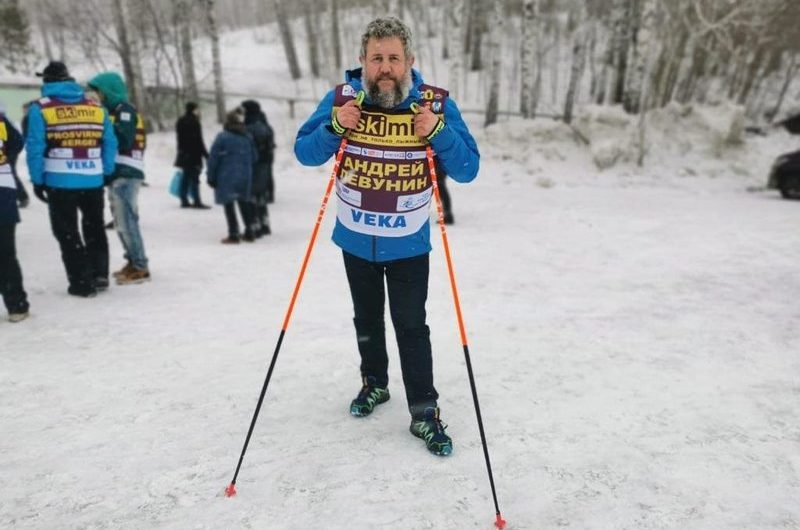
(414, 107)
(360, 98)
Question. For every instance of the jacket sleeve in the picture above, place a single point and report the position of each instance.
(109, 151)
(15, 142)
(36, 144)
(315, 143)
(213, 160)
(455, 147)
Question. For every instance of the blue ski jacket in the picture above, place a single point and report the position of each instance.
(36, 142)
(454, 146)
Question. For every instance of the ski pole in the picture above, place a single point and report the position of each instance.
(230, 491)
(499, 521)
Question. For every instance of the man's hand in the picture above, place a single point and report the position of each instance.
(349, 114)
(425, 122)
(41, 192)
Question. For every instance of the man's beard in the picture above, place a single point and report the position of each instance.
(389, 99)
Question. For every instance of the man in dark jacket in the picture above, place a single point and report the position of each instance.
(128, 175)
(14, 296)
(70, 147)
(191, 152)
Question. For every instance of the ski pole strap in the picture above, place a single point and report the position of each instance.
(337, 127)
(415, 108)
(436, 130)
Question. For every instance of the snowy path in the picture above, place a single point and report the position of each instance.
(635, 349)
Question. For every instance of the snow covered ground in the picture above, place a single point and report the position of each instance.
(633, 334)
(634, 340)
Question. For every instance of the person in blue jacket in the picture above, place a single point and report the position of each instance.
(71, 146)
(230, 172)
(11, 288)
(384, 190)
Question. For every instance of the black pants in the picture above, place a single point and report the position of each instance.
(441, 180)
(190, 182)
(84, 252)
(22, 193)
(246, 209)
(14, 296)
(407, 283)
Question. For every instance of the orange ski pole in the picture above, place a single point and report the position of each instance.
(230, 491)
(499, 521)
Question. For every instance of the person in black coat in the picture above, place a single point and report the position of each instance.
(11, 289)
(255, 122)
(191, 152)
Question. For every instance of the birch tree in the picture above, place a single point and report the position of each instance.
(450, 17)
(495, 47)
(182, 15)
(336, 42)
(287, 38)
(311, 38)
(578, 58)
(128, 51)
(622, 12)
(213, 33)
(527, 50)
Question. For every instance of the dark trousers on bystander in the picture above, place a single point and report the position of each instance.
(246, 209)
(14, 296)
(85, 251)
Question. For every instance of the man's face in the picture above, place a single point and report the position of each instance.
(387, 71)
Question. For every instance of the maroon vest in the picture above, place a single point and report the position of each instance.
(384, 186)
(74, 135)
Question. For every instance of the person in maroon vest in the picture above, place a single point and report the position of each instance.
(384, 191)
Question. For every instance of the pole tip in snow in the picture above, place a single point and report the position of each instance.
(500, 522)
(230, 491)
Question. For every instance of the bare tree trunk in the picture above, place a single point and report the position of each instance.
(336, 43)
(527, 51)
(622, 28)
(644, 39)
(751, 74)
(128, 54)
(495, 43)
(313, 48)
(183, 18)
(451, 19)
(287, 38)
(213, 33)
(536, 95)
(790, 72)
(578, 60)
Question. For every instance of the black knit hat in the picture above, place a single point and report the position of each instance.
(55, 71)
(190, 106)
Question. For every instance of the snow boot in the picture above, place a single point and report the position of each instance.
(370, 396)
(426, 424)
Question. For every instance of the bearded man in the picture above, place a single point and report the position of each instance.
(383, 190)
